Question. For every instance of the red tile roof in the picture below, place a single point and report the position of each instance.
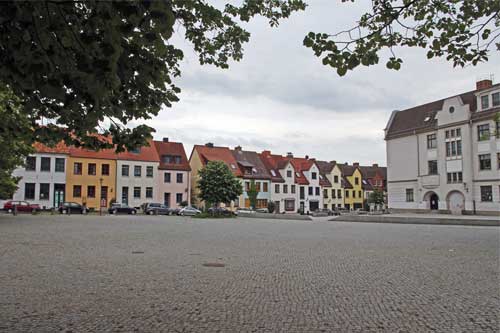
(146, 153)
(60, 148)
(300, 165)
(213, 153)
(273, 163)
(174, 149)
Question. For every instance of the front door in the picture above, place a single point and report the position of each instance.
(313, 206)
(434, 202)
(58, 194)
(277, 207)
(125, 195)
(166, 199)
(104, 196)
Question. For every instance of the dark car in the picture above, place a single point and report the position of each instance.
(220, 211)
(122, 209)
(153, 208)
(22, 206)
(72, 208)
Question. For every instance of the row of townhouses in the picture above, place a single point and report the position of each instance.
(162, 173)
(445, 156)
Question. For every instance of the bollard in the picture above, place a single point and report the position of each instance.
(14, 210)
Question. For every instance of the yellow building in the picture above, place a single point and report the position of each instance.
(353, 186)
(91, 177)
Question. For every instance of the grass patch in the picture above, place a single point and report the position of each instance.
(213, 216)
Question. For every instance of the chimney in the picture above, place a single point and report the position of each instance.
(307, 157)
(355, 164)
(484, 83)
(375, 165)
(289, 155)
(165, 139)
(237, 148)
(209, 144)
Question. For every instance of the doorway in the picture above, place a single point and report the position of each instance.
(166, 199)
(58, 194)
(434, 202)
(104, 196)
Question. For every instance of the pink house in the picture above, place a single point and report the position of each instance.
(174, 174)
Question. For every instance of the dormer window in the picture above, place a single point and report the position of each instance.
(495, 99)
(273, 173)
(289, 173)
(297, 174)
(485, 102)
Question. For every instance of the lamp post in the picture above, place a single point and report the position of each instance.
(100, 200)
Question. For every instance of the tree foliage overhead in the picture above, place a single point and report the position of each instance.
(217, 184)
(82, 64)
(463, 31)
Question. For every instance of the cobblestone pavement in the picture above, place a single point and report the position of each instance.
(146, 274)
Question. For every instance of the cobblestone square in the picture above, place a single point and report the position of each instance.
(150, 274)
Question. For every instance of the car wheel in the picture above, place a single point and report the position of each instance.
(132, 212)
(114, 212)
(9, 210)
(150, 212)
(64, 211)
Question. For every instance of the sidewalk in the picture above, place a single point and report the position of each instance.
(442, 219)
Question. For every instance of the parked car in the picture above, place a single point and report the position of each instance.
(262, 210)
(220, 211)
(22, 206)
(121, 208)
(72, 208)
(152, 208)
(244, 211)
(189, 211)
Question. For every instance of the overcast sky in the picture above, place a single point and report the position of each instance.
(280, 97)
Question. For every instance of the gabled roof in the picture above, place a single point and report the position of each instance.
(323, 181)
(273, 164)
(251, 160)
(300, 165)
(214, 153)
(346, 183)
(371, 171)
(365, 185)
(59, 148)
(147, 153)
(347, 170)
(174, 149)
(108, 154)
(325, 167)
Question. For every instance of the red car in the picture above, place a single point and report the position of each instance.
(22, 206)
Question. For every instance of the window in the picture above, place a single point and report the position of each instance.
(77, 191)
(485, 102)
(356, 181)
(486, 193)
(137, 192)
(171, 159)
(45, 164)
(451, 109)
(325, 193)
(311, 189)
(44, 191)
(431, 141)
(264, 187)
(409, 195)
(447, 134)
(302, 191)
(166, 177)
(29, 191)
(335, 179)
(353, 194)
(347, 193)
(485, 162)
(459, 147)
(495, 99)
(178, 198)
(452, 133)
(289, 205)
(339, 194)
(180, 178)
(448, 149)
(454, 177)
(453, 148)
(247, 186)
(498, 129)
(30, 163)
(105, 170)
(459, 132)
(91, 169)
(292, 189)
(125, 170)
(59, 164)
(285, 188)
(257, 186)
(360, 195)
(483, 132)
(333, 194)
(125, 195)
(314, 175)
(149, 192)
(91, 191)
(289, 173)
(498, 160)
(277, 188)
(77, 168)
(149, 171)
(317, 191)
(137, 170)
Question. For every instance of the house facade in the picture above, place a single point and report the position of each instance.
(374, 179)
(137, 176)
(284, 191)
(307, 179)
(173, 175)
(445, 155)
(353, 187)
(43, 178)
(91, 177)
(333, 195)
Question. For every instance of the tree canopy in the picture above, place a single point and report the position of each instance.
(217, 184)
(91, 66)
(463, 31)
(252, 194)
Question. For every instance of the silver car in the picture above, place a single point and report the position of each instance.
(189, 211)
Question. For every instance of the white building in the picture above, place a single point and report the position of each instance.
(309, 182)
(137, 176)
(43, 178)
(445, 155)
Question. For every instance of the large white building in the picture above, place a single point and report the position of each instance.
(43, 177)
(445, 155)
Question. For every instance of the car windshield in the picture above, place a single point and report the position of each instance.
(154, 205)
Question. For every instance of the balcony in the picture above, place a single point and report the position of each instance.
(430, 181)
